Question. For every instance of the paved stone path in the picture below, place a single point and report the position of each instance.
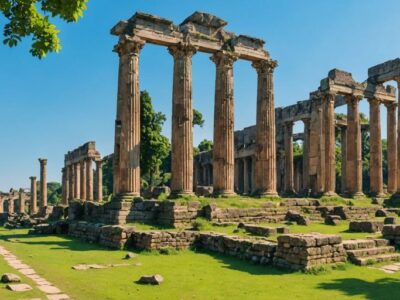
(389, 269)
(52, 292)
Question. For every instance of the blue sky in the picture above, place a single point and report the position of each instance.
(50, 106)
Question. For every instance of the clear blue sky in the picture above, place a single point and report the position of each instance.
(51, 106)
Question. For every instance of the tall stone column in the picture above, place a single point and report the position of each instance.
(43, 182)
(65, 185)
(21, 202)
(223, 150)
(126, 167)
(236, 174)
(391, 147)
(306, 156)
(99, 180)
(376, 184)
(253, 174)
(72, 182)
(330, 145)
(265, 156)
(182, 116)
(83, 180)
(77, 167)
(343, 142)
(11, 205)
(354, 148)
(89, 180)
(246, 182)
(398, 141)
(33, 202)
(289, 171)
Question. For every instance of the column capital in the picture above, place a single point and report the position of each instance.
(288, 124)
(99, 162)
(224, 59)
(129, 45)
(264, 66)
(32, 178)
(391, 106)
(374, 100)
(306, 120)
(182, 50)
(43, 161)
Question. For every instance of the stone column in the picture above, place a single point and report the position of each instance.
(99, 180)
(343, 142)
(376, 184)
(306, 156)
(65, 186)
(354, 148)
(43, 182)
(10, 205)
(253, 175)
(182, 116)
(72, 182)
(236, 175)
(330, 145)
(126, 169)
(21, 203)
(391, 147)
(223, 150)
(265, 156)
(89, 180)
(83, 180)
(33, 202)
(398, 141)
(246, 182)
(289, 171)
(77, 180)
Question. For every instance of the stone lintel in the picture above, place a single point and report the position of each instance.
(86, 151)
(379, 91)
(389, 70)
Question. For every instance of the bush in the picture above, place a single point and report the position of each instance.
(317, 270)
(201, 224)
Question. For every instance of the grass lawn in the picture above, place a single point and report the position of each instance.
(187, 274)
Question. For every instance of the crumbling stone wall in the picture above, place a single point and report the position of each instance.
(155, 240)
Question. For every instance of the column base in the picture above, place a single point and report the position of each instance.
(378, 195)
(329, 194)
(356, 195)
(266, 194)
(125, 197)
(224, 194)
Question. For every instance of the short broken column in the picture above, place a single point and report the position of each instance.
(33, 202)
(43, 182)
(376, 185)
(223, 150)
(99, 180)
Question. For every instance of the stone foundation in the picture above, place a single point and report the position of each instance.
(156, 240)
(304, 251)
(262, 230)
(366, 226)
(354, 212)
(392, 233)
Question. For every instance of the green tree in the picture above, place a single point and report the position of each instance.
(205, 145)
(107, 176)
(154, 147)
(197, 118)
(54, 192)
(32, 18)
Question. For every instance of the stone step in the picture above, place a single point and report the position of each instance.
(363, 261)
(365, 244)
(370, 251)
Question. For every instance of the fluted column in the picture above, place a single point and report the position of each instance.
(354, 148)
(65, 185)
(398, 141)
(83, 180)
(10, 205)
(330, 145)
(89, 180)
(246, 182)
(343, 142)
(376, 184)
(265, 156)
(21, 202)
(391, 146)
(306, 156)
(288, 145)
(182, 116)
(71, 182)
(77, 167)
(43, 182)
(33, 200)
(223, 150)
(99, 180)
(126, 167)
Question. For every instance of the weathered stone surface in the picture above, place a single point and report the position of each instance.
(9, 277)
(332, 220)
(19, 287)
(366, 226)
(390, 220)
(381, 213)
(294, 216)
(151, 279)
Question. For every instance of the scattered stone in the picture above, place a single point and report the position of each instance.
(151, 279)
(130, 255)
(381, 213)
(300, 219)
(49, 289)
(84, 267)
(332, 220)
(390, 220)
(58, 297)
(366, 226)
(19, 287)
(9, 277)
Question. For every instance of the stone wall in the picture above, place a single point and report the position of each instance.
(392, 233)
(304, 251)
(366, 226)
(354, 212)
(156, 240)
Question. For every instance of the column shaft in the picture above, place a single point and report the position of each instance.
(99, 181)
(65, 186)
(246, 182)
(343, 142)
(289, 171)
(43, 182)
(306, 156)
(127, 131)
(223, 150)
(265, 156)
(330, 145)
(83, 180)
(33, 203)
(72, 182)
(21, 201)
(89, 180)
(77, 167)
(376, 184)
(391, 147)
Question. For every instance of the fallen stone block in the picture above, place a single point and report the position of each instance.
(151, 279)
(19, 287)
(9, 277)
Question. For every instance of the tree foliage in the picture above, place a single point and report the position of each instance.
(154, 147)
(31, 18)
(197, 118)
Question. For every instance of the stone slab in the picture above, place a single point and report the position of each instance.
(20, 287)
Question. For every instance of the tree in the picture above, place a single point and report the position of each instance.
(32, 18)
(107, 176)
(54, 192)
(197, 118)
(154, 147)
(205, 145)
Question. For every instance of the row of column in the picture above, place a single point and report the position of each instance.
(78, 181)
(127, 129)
(351, 143)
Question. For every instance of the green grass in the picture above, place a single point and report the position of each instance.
(188, 275)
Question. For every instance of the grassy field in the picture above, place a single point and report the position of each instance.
(188, 275)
